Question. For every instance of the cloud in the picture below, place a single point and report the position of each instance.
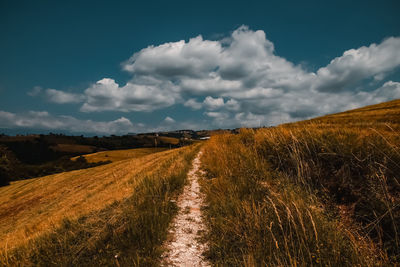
(35, 91)
(389, 90)
(220, 118)
(57, 96)
(358, 64)
(193, 104)
(241, 81)
(43, 120)
(232, 105)
(169, 120)
(46, 121)
(143, 95)
(243, 78)
(213, 85)
(169, 124)
(61, 97)
(176, 59)
(213, 103)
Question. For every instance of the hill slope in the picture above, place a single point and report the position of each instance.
(320, 192)
(375, 115)
(70, 212)
(118, 155)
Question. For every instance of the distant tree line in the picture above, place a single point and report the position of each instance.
(30, 156)
(12, 169)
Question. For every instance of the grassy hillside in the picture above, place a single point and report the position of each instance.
(376, 116)
(307, 194)
(118, 155)
(108, 215)
(23, 157)
(322, 192)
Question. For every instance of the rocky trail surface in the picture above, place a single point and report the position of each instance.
(183, 247)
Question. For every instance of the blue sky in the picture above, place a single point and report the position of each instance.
(111, 67)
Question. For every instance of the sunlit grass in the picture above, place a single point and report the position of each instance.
(380, 116)
(77, 217)
(309, 193)
(118, 155)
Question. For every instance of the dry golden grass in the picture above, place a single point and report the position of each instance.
(319, 192)
(118, 155)
(168, 140)
(378, 116)
(264, 205)
(122, 221)
(31, 207)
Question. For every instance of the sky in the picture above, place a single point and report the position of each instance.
(117, 67)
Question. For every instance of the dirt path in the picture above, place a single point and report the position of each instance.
(184, 249)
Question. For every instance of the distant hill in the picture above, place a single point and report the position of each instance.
(29, 156)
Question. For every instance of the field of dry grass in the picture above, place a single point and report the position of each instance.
(167, 140)
(118, 155)
(379, 116)
(305, 193)
(322, 192)
(33, 211)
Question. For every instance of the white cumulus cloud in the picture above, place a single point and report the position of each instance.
(107, 95)
(211, 103)
(193, 104)
(44, 120)
(169, 120)
(62, 97)
(357, 64)
(241, 81)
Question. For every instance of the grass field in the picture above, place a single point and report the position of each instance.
(320, 192)
(118, 155)
(379, 116)
(65, 219)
